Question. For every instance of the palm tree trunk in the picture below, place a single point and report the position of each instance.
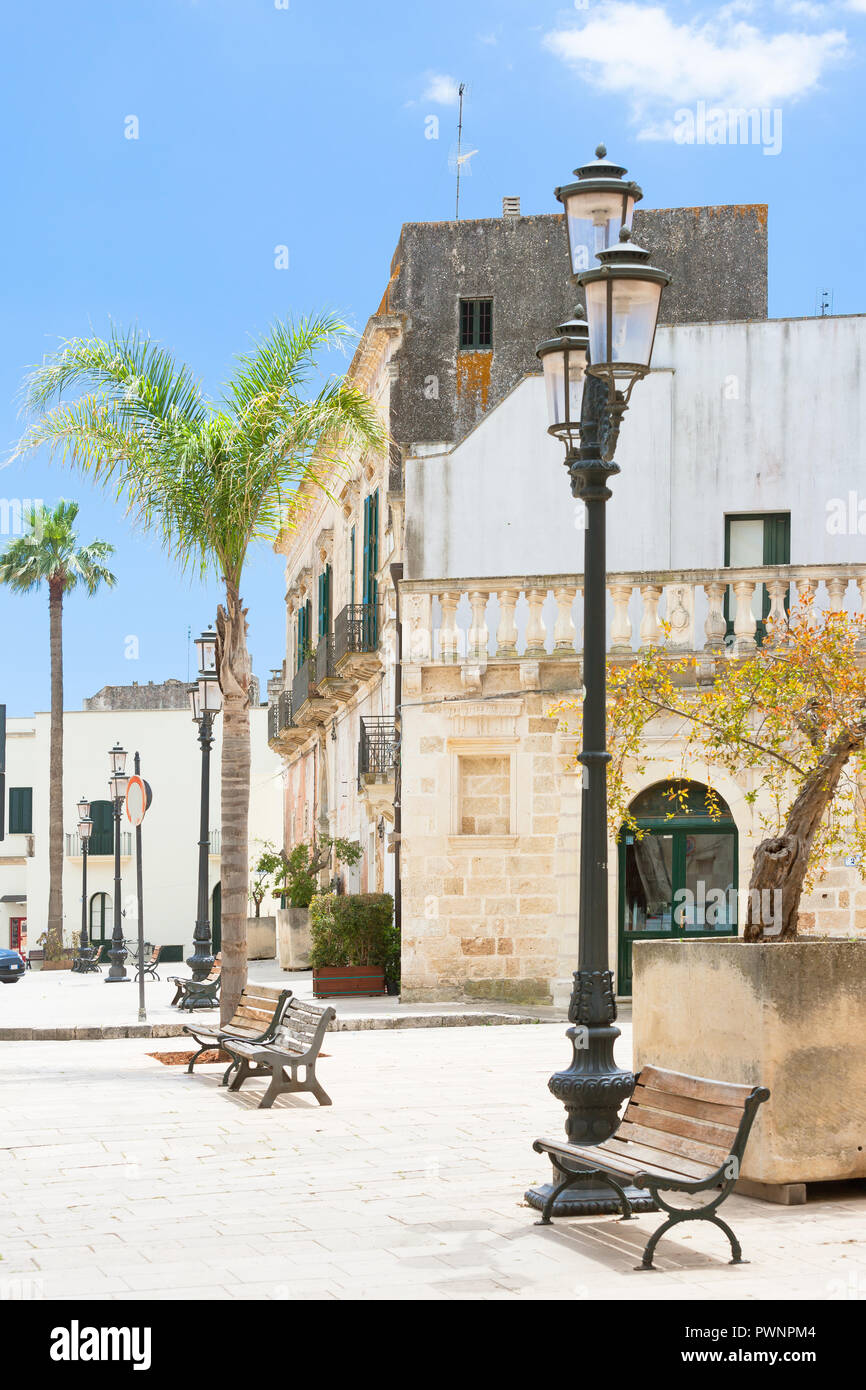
(55, 788)
(234, 672)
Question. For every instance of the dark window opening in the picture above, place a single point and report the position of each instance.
(20, 810)
(476, 323)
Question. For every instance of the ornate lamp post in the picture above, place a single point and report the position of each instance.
(205, 698)
(590, 370)
(117, 784)
(85, 825)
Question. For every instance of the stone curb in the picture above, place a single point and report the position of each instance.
(344, 1025)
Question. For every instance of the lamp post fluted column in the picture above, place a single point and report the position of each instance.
(83, 942)
(117, 954)
(201, 960)
(590, 369)
(205, 698)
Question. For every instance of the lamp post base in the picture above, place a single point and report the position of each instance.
(588, 1197)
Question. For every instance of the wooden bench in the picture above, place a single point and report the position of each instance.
(296, 1043)
(679, 1134)
(255, 1020)
(92, 963)
(198, 994)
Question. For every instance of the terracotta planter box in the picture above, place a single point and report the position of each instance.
(336, 981)
(57, 965)
(788, 1016)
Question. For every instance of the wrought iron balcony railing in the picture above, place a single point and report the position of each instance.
(378, 748)
(280, 715)
(324, 658)
(304, 683)
(356, 630)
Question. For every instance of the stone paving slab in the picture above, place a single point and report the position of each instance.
(125, 1178)
(59, 1006)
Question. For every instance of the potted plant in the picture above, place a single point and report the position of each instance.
(783, 725)
(352, 938)
(54, 955)
(295, 881)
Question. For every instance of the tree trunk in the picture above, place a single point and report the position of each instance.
(233, 664)
(781, 862)
(54, 925)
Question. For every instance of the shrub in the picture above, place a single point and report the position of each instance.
(351, 929)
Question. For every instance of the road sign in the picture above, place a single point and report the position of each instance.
(138, 799)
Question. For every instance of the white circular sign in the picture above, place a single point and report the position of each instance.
(138, 798)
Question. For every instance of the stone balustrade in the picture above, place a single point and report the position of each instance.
(539, 617)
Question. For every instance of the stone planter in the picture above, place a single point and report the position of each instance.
(293, 938)
(791, 1017)
(261, 938)
(338, 981)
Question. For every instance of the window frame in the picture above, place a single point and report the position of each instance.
(20, 811)
(474, 305)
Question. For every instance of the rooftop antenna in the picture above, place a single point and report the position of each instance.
(188, 641)
(460, 90)
(825, 303)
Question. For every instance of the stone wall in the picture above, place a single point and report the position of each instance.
(489, 849)
(169, 694)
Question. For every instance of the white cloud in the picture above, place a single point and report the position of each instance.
(859, 6)
(639, 52)
(441, 90)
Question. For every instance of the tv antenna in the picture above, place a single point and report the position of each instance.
(824, 303)
(460, 158)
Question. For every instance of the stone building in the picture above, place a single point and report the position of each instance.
(472, 489)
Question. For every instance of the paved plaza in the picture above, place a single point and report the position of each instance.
(124, 1178)
(60, 1002)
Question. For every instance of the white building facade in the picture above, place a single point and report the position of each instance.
(171, 762)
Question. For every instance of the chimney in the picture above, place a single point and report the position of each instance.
(511, 207)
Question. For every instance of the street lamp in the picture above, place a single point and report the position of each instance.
(623, 293)
(205, 698)
(597, 206)
(117, 785)
(85, 825)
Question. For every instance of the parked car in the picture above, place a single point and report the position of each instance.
(11, 966)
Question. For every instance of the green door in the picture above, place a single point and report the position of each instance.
(751, 540)
(371, 564)
(678, 878)
(216, 935)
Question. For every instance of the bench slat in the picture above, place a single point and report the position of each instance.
(697, 1087)
(727, 1115)
(716, 1136)
(600, 1156)
(672, 1143)
(644, 1155)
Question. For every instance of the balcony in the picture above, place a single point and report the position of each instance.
(284, 735)
(476, 626)
(100, 848)
(378, 754)
(356, 642)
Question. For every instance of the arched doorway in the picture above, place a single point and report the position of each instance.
(100, 921)
(679, 878)
(216, 904)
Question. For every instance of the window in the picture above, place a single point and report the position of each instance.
(352, 566)
(752, 540)
(100, 926)
(371, 558)
(102, 833)
(20, 810)
(476, 323)
(325, 601)
(305, 624)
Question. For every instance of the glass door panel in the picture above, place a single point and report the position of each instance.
(707, 901)
(649, 866)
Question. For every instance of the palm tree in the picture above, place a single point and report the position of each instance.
(49, 553)
(210, 479)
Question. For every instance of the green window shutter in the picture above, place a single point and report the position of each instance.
(327, 598)
(365, 597)
(20, 810)
(322, 617)
(352, 566)
(102, 834)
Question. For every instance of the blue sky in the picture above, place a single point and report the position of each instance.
(263, 124)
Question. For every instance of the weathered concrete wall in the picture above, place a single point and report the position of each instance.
(170, 694)
(725, 423)
(791, 1017)
(717, 256)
